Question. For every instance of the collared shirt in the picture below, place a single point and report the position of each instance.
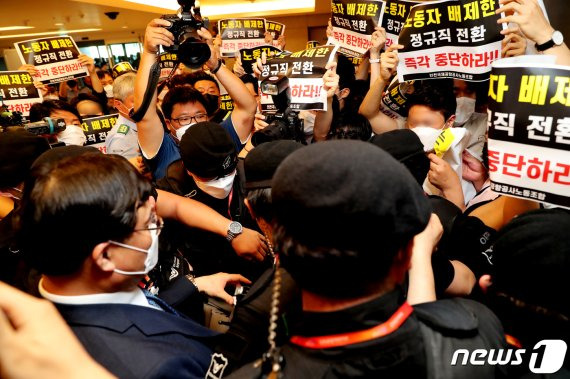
(134, 297)
(122, 139)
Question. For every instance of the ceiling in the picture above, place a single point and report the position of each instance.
(61, 15)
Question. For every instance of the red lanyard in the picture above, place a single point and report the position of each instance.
(336, 340)
(230, 204)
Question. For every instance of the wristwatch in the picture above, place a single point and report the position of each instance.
(556, 40)
(234, 230)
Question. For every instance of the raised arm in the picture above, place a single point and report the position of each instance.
(532, 23)
(150, 131)
(323, 120)
(244, 102)
(378, 42)
(88, 62)
(370, 107)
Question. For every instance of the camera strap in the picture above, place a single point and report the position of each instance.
(153, 77)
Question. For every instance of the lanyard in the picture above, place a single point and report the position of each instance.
(230, 197)
(336, 340)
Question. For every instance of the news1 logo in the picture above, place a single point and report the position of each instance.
(546, 357)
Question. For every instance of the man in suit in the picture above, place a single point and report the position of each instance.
(89, 225)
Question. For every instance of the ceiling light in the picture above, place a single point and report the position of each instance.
(59, 32)
(58, 24)
(6, 28)
(124, 27)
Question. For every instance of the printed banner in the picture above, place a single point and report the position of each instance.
(249, 56)
(226, 103)
(305, 70)
(395, 16)
(395, 98)
(450, 39)
(241, 33)
(312, 44)
(276, 29)
(96, 129)
(529, 131)
(353, 23)
(18, 92)
(166, 62)
(55, 58)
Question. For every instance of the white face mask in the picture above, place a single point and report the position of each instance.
(180, 131)
(151, 254)
(427, 135)
(72, 135)
(109, 90)
(465, 108)
(218, 188)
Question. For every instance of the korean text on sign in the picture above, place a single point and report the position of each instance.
(450, 39)
(55, 58)
(241, 33)
(529, 132)
(18, 92)
(96, 129)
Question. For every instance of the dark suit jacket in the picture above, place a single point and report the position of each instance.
(138, 342)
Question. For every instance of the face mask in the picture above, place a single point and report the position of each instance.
(125, 112)
(181, 130)
(211, 103)
(109, 90)
(151, 254)
(218, 188)
(465, 108)
(427, 135)
(72, 135)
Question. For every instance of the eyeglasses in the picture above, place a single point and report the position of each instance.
(154, 220)
(185, 120)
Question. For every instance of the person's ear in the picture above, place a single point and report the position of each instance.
(100, 257)
(450, 122)
(344, 93)
(485, 281)
(401, 263)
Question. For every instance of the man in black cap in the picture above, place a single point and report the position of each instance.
(346, 237)
(207, 173)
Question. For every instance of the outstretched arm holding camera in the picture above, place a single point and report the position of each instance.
(244, 103)
(150, 130)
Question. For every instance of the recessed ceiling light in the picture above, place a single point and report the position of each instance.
(124, 27)
(58, 24)
(59, 32)
(6, 28)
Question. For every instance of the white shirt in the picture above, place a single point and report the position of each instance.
(134, 297)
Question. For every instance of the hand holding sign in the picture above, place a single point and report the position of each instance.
(514, 45)
(30, 68)
(87, 62)
(330, 79)
(378, 42)
(389, 61)
(529, 17)
(258, 66)
(442, 176)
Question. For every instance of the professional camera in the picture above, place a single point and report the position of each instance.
(188, 46)
(283, 123)
(47, 126)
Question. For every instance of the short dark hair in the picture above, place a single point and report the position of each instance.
(195, 77)
(71, 205)
(86, 96)
(44, 109)
(178, 80)
(181, 95)
(101, 74)
(436, 94)
(252, 80)
(260, 201)
(349, 125)
(346, 72)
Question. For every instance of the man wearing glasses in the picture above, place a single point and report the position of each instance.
(92, 271)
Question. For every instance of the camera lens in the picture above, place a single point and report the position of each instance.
(192, 51)
(277, 130)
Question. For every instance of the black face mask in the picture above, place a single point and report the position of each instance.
(211, 103)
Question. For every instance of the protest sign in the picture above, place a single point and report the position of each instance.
(18, 92)
(166, 62)
(55, 58)
(311, 44)
(96, 129)
(249, 56)
(529, 131)
(450, 39)
(276, 29)
(395, 16)
(353, 23)
(226, 103)
(395, 98)
(241, 33)
(305, 70)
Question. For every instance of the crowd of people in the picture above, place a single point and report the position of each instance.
(185, 250)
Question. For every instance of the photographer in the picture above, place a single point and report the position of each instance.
(160, 148)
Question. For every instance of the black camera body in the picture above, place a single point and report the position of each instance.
(188, 45)
(284, 123)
